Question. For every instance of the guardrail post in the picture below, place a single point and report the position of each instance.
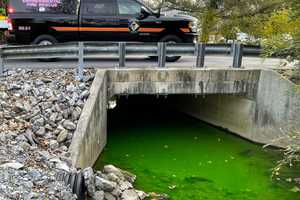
(162, 51)
(80, 61)
(122, 54)
(1, 63)
(200, 53)
(237, 55)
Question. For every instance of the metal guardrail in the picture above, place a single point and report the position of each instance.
(81, 50)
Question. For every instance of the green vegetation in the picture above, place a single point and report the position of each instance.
(291, 158)
(2, 11)
(2, 7)
(225, 18)
(280, 33)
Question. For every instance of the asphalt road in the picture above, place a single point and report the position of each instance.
(211, 61)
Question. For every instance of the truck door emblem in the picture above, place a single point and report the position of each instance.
(134, 26)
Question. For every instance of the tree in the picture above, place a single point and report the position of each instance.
(281, 33)
(227, 17)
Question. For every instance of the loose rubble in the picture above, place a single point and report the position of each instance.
(111, 184)
(39, 111)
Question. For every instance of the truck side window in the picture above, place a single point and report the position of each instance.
(100, 8)
(44, 6)
(129, 7)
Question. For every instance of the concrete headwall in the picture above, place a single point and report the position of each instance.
(90, 136)
(183, 81)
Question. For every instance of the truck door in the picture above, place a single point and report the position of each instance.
(128, 12)
(99, 21)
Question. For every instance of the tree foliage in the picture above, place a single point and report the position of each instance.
(226, 18)
(295, 7)
(280, 32)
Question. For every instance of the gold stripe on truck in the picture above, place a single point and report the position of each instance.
(107, 29)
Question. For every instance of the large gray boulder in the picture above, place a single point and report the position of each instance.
(103, 184)
(89, 181)
(130, 195)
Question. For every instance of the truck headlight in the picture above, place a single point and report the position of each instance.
(193, 25)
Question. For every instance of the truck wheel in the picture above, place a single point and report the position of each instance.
(45, 40)
(171, 39)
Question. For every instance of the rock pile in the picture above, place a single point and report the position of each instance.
(39, 111)
(111, 184)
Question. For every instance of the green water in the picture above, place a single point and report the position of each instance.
(187, 159)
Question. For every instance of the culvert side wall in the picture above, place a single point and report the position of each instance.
(268, 118)
(91, 134)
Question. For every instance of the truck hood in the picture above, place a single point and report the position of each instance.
(174, 15)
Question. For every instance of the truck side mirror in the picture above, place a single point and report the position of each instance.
(144, 13)
(157, 14)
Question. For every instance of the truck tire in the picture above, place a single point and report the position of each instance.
(169, 39)
(45, 40)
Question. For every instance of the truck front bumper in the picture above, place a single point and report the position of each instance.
(191, 37)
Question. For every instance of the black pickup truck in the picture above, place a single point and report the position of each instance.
(52, 21)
